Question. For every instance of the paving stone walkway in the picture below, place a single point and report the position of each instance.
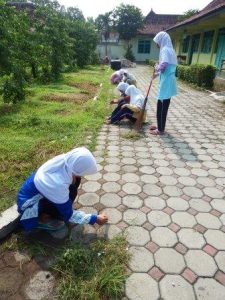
(167, 194)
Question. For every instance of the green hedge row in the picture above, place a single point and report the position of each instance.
(199, 74)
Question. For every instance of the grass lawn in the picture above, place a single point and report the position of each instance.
(53, 119)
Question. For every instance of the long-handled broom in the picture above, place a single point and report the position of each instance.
(139, 121)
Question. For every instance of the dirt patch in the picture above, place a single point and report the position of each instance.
(14, 275)
(87, 92)
(75, 98)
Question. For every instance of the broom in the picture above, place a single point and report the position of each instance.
(139, 121)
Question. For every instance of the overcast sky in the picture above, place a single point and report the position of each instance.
(92, 8)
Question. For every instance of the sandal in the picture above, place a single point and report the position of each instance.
(156, 132)
(152, 127)
(54, 225)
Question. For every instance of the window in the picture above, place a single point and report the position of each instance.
(144, 46)
(207, 41)
(195, 42)
(185, 44)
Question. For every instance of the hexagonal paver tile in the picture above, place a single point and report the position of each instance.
(215, 238)
(222, 219)
(164, 237)
(174, 287)
(141, 259)
(206, 181)
(91, 186)
(132, 201)
(141, 286)
(147, 170)
(112, 231)
(169, 260)
(200, 263)
(191, 238)
(208, 289)
(130, 177)
(216, 172)
(134, 217)
(94, 177)
(218, 204)
(168, 180)
(164, 171)
(182, 171)
(137, 236)
(88, 199)
(149, 179)
(220, 259)
(183, 219)
(152, 189)
(112, 168)
(111, 200)
(192, 192)
(155, 203)
(200, 205)
(159, 218)
(213, 192)
(128, 161)
(208, 220)
(111, 176)
(113, 214)
(187, 181)
(172, 191)
(131, 188)
(111, 187)
(177, 204)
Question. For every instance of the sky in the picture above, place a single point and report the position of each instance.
(92, 8)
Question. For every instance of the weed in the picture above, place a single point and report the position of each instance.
(93, 273)
(132, 135)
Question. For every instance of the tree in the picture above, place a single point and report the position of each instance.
(73, 13)
(128, 19)
(85, 39)
(187, 14)
(104, 24)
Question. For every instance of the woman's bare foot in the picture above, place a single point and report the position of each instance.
(152, 127)
(156, 132)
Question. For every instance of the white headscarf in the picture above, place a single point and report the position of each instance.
(122, 86)
(121, 72)
(136, 97)
(54, 177)
(167, 53)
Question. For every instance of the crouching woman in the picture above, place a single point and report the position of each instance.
(132, 109)
(48, 194)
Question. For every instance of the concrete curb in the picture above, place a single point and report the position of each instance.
(9, 220)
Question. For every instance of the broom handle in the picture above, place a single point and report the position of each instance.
(138, 123)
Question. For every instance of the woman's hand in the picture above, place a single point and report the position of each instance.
(155, 75)
(101, 219)
(114, 101)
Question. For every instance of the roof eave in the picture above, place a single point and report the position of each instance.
(209, 14)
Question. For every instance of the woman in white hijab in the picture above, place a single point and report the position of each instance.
(117, 76)
(50, 191)
(132, 109)
(166, 69)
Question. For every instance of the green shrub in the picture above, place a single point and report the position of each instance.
(129, 53)
(199, 74)
(13, 88)
(151, 62)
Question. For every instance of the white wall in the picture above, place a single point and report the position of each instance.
(116, 51)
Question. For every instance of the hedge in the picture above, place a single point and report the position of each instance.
(199, 74)
(151, 62)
